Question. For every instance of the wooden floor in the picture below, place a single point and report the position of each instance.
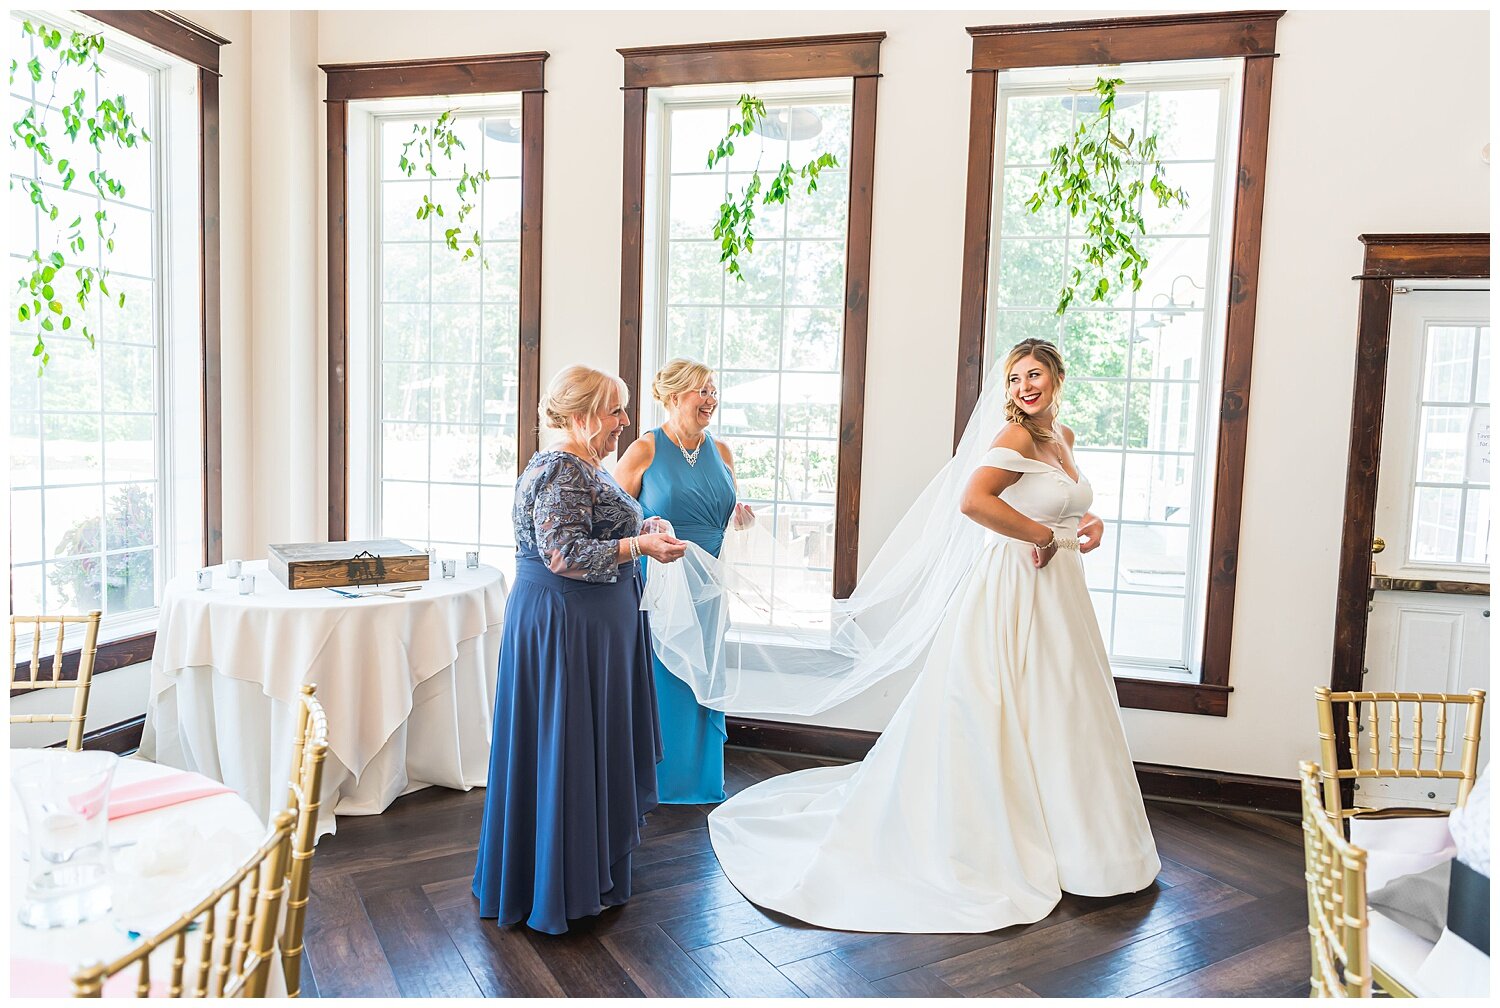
(391, 914)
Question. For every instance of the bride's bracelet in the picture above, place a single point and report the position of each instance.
(1059, 542)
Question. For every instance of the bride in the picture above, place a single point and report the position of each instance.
(1003, 780)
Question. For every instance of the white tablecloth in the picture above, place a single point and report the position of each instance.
(214, 836)
(408, 685)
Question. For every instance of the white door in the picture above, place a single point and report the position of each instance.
(1430, 611)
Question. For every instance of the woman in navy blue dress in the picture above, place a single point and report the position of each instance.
(681, 473)
(575, 742)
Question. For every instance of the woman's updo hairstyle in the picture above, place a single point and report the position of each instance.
(677, 376)
(1047, 356)
(576, 396)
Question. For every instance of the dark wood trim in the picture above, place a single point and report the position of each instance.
(211, 389)
(856, 337)
(1250, 34)
(1386, 259)
(1218, 787)
(123, 738)
(632, 253)
(1426, 256)
(522, 72)
(983, 93)
(1239, 346)
(338, 321)
(1126, 40)
(802, 58)
(113, 655)
(493, 73)
(1210, 699)
(167, 32)
(529, 365)
(1474, 588)
(752, 61)
(1172, 783)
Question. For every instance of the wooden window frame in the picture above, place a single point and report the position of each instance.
(756, 61)
(430, 78)
(200, 47)
(1250, 35)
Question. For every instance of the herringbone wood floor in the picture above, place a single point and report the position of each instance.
(391, 915)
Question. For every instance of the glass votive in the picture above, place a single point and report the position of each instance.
(205, 579)
(432, 563)
(450, 568)
(471, 558)
(247, 584)
(233, 568)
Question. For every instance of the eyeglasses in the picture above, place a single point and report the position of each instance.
(709, 393)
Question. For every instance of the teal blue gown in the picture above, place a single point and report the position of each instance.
(698, 501)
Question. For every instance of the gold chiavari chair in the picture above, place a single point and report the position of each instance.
(232, 962)
(1337, 919)
(1400, 728)
(35, 680)
(308, 752)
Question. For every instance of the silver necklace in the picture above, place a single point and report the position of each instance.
(691, 457)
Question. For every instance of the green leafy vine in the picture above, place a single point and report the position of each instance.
(1084, 174)
(56, 277)
(442, 139)
(735, 227)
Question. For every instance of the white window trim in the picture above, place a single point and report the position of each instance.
(178, 309)
(1227, 75)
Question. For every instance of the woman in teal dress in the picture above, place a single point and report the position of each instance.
(681, 473)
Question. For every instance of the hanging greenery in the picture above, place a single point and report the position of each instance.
(735, 228)
(56, 277)
(442, 139)
(1085, 175)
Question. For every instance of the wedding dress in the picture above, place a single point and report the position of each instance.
(1002, 781)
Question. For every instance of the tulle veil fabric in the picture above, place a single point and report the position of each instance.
(886, 625)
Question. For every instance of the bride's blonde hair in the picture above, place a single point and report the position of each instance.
(1047, 356)
(576, 396)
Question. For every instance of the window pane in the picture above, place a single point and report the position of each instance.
(1450, 356)
(1444, 446)
(1476, 528)
(1435, 524)
(1138, 394)
(449, 352)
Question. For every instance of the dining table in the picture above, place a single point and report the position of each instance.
(165, 859)
(406, 674)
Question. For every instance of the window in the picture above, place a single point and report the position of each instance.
(1158, 390)
(1451, 495)
(775, 341)
(445, 342)
(1142, 365)
(793, 353)
(107, 451)
(435, 361)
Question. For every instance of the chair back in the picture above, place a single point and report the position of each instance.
(233, 933)
(33, 678)
(1407, 735)
(1337, 920)
(308, 752)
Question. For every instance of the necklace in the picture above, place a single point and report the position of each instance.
(691, 457)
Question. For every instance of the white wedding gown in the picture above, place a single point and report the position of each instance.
(1002, 781)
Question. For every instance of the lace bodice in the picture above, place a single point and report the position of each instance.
(573, 516)
(1044, 493)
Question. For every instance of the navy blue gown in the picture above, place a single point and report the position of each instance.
(576, 740)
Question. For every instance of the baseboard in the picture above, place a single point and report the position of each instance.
(1171, 783)
(122, 738)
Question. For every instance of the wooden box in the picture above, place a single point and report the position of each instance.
(341, 564)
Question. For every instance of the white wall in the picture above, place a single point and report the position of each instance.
(1376, 125)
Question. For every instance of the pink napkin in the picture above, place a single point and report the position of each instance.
(37, 978)
(159, 792)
